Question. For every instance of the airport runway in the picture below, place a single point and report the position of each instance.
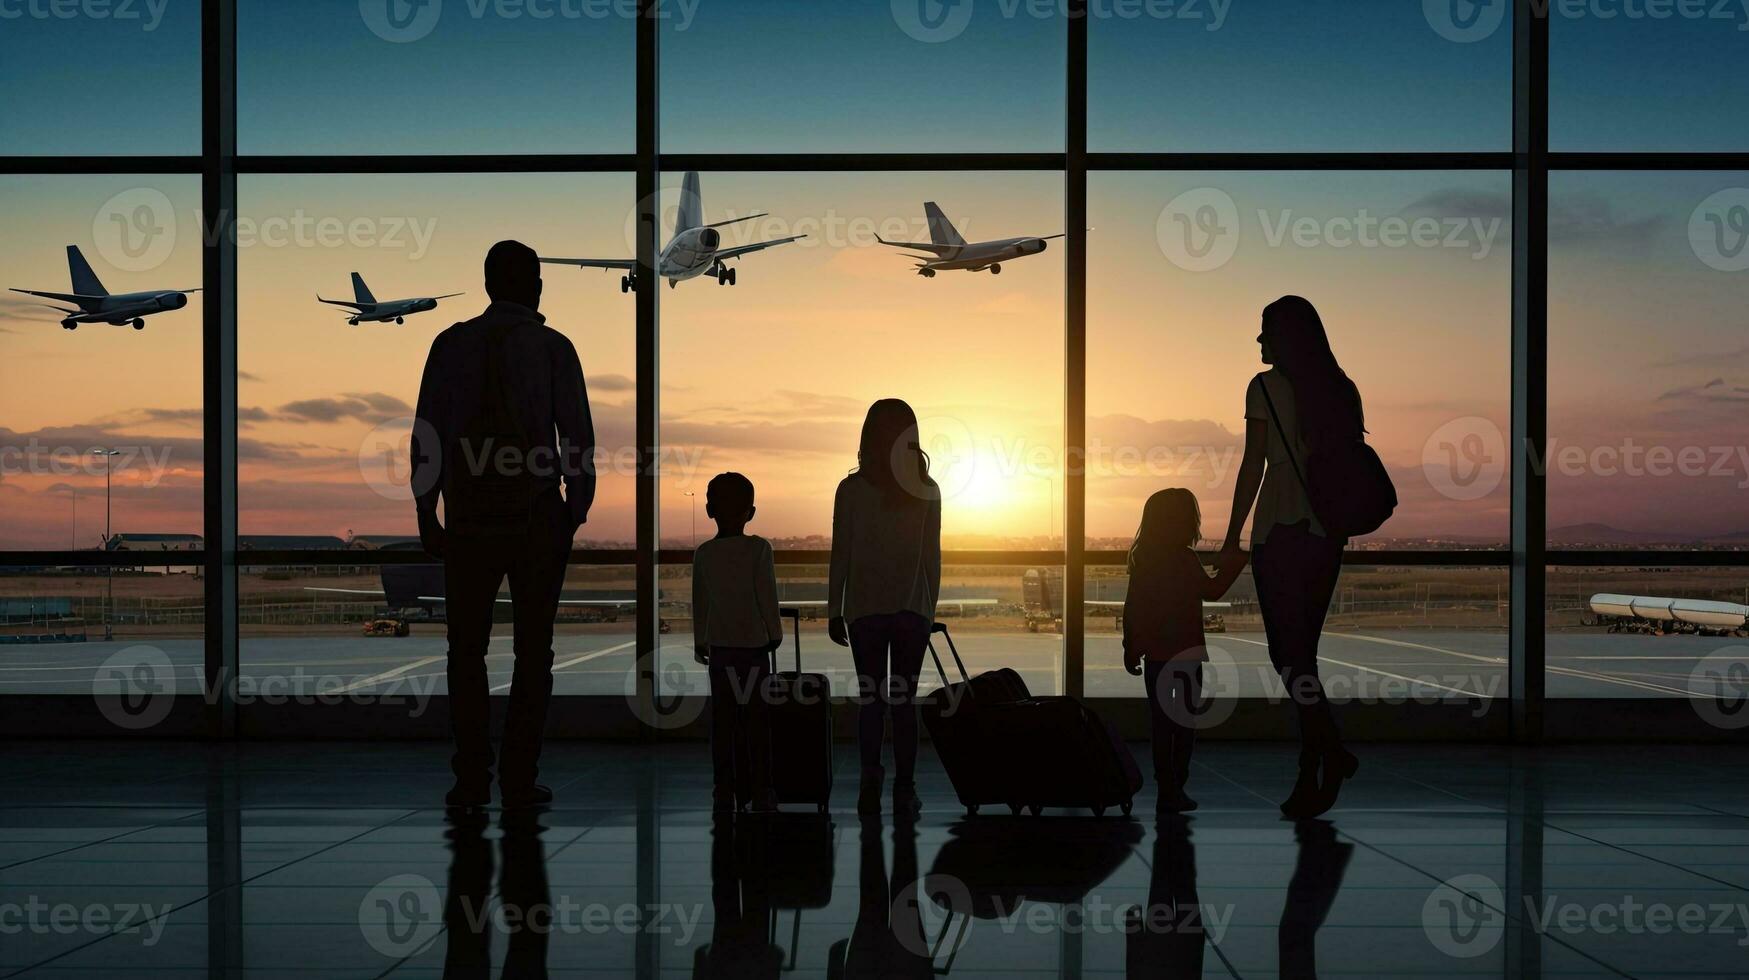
(1375, 665)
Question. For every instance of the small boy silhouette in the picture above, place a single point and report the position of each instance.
(735, 627)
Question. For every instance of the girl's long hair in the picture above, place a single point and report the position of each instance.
(1171, 519)
(1327, 402)
(889, 455)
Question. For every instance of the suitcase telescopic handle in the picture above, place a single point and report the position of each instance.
(794, 615)
(961, 664)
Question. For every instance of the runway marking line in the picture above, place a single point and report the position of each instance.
(574, 661)
(390, 674)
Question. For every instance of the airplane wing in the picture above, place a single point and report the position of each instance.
(938, 250)
(625, 264)
(360, 307)
(812, 603)
(1115, 604)
(737, 252)
(63, 297)
(449, 295)
(734, 221)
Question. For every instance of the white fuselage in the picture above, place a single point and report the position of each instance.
(692, 253)
(978, 256)
(386, 312)
(123, 308)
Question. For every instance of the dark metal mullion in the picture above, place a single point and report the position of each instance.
(649, 348)
(101, 166)
(1075, 354)
(1648, 161)
(1530, 364)
(219, 358)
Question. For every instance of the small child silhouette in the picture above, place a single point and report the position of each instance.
(1163, 631)
(735, 627)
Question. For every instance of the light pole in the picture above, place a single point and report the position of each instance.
(109, 586)
(692, 499)
(73, 530)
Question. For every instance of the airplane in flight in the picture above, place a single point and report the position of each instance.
(695, 250)
(366, 308)
(948, 251)
(95, 304)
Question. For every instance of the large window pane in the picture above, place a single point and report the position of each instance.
(65, 394)
(772, 377)
(849, 76)
(389, 77)
(1412, 274)
(1278, 75)
(326, 407)
(1647, 77)
(1649, 368)
(100, 78)
(132, 632)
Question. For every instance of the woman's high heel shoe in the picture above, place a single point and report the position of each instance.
(1339, 765)
(1300, 801)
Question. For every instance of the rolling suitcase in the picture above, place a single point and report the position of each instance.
(1074, 758)
(975, 755)
(799, 712)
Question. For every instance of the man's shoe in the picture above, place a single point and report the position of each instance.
(1174, 801)
(525, 797)
(868, 801)
(468, 794)
(906, 802)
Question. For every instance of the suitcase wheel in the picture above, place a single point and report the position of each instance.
(1099, 811)
(1037, 809)
(823, 808)
(1128, 805)
(971, 809)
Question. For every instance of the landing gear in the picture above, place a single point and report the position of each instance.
(139, 324)
(400, 321)
(927, 273)
(725, 275)
(627, 284)
(996, 269)
(69, 324)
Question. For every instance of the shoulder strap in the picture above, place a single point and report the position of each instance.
(1286, 443)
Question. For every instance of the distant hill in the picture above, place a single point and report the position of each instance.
(1595, 534)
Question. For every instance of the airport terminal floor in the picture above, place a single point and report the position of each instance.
(177, 860)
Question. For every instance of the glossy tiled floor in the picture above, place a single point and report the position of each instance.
(331, 860)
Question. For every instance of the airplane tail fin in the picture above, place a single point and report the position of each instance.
(361, 292)
(941, 230)
(85, 282)
(691, 204)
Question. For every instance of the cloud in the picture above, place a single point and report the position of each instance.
(248, 376)
(612, 382)
(1582, 219)
(1462, 202)
(1715, 390)
(372, 407)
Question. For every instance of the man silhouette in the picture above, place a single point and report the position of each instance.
(503, 420)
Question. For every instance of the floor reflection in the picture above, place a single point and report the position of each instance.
(523, 909)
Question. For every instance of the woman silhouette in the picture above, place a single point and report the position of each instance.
(884, 580)
(1304, 401)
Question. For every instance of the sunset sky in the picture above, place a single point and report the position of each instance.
(772, 376)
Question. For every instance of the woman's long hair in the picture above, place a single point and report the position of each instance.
(1171, 519)
(889, 454)
(1327, 402)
